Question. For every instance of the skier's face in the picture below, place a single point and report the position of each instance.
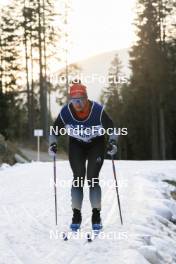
(79, 103)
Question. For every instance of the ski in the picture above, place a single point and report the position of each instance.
(65, 236)
(68, 235)
(91, 236)
(74, 229)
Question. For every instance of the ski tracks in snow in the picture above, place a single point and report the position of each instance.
(27, 216)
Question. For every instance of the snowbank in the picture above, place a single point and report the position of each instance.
(27, 215)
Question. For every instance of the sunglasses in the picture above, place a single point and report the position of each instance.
(78, 101)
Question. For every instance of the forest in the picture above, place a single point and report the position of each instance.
(31, 42)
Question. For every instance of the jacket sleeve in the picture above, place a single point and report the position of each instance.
(108, 123)
(54, 130)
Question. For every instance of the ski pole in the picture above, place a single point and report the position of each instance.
(117, 191)
(55, 188)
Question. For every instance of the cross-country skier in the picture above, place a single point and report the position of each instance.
(82, 113)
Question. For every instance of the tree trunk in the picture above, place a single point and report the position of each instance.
(162, 134)
(32, 82)
(154, 128)
(43, 102)
(27, 75)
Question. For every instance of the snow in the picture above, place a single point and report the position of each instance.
(27, 225)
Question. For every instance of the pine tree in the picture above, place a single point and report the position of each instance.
(40, 37)
(111, 94)
(10, 106)
(28, 42)
(147, 96)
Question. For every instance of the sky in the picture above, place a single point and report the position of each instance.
(97, 26)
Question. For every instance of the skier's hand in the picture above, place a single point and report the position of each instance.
(52, 149)
(111, 148)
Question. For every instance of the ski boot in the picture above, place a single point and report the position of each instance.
(96, 220)
(76, 220)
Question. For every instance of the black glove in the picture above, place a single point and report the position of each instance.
(112, 148)
(52, 149)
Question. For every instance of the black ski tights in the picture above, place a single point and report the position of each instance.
(93, 152)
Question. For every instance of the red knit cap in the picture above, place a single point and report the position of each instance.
(78, 90)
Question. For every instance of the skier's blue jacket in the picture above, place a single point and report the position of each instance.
(83, 130)
(86, 129)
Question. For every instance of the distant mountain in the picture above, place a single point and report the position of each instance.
(97, 68)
